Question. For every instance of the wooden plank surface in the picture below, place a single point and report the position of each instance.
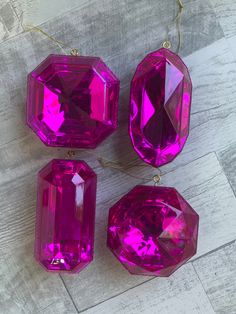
(38, 12)
(122, 32)
(26, 288)
(226, 15)
(182, 293)
(217, 273)
(227, 159)
(9, 22)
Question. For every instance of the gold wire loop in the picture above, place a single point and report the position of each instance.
(166, 44)
(74, 52)
(156, 179)
(71, 153)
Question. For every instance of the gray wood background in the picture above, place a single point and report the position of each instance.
(122, 32)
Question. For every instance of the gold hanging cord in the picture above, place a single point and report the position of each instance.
(125, 169)
(60, 44)
(177, 20)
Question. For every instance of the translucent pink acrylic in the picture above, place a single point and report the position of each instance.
(65, 215)
(160, 101)
(152, 231)
(72, 101)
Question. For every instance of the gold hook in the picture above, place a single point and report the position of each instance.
(156, 179)
(70, 154)
(166, 44)
(74, 52)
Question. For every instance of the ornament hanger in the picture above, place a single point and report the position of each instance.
(167, 44)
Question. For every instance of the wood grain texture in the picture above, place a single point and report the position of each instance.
(226, 14)
(9, 22)
(217, 273)
(39, 11)
(181, 293)
(227, 159)
(26, 288)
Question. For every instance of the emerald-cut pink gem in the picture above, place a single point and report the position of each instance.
(72, 101)
(65, 215)
(152, 231)
(160, 102)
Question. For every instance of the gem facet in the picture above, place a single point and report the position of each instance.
(160, 101)
(152, 231)
(72, 101)
(65, 215)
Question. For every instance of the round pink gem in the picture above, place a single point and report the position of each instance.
(65, 215)
(72, 101)
(152, 231)
(160, 101)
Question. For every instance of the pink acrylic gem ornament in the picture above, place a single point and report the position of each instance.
(152, 231)
(72, 101)
(65, 215)
(160, 101)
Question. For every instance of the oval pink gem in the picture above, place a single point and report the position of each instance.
(65, 215)
(152, 231)
(160, 104)
(72, 101)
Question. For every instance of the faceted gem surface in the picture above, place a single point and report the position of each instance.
(152, 231)
(160, 101)
(72, 101)
(65, 215)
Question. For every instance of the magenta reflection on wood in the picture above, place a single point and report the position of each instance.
(72, 101)
(160, 101)
(65, 215)
(152, 230)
